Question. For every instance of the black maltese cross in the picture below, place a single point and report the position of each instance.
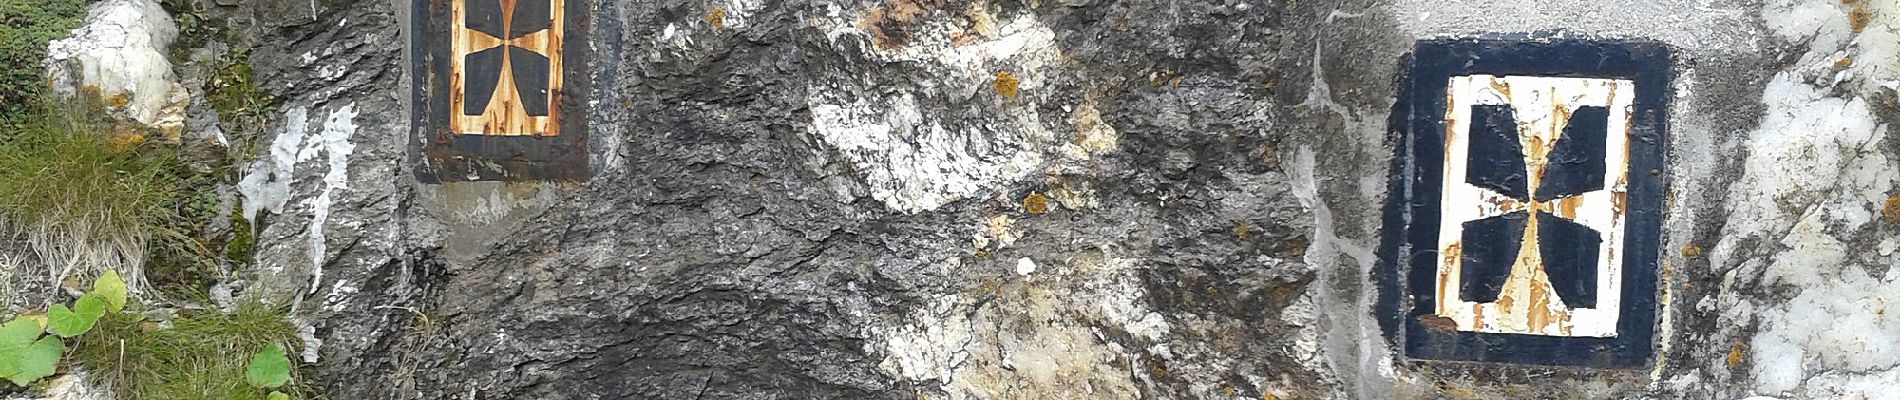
(1537, 186)
(516, 27)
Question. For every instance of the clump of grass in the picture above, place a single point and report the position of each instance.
(199, 355)
(86, 194)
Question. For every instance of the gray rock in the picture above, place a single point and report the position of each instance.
(832, 199)
(118, 54)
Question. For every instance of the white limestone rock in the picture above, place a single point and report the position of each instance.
(120, 53)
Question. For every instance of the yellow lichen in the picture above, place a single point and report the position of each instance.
(1857, 17)
(1005, 84)
(1735, 353)
(125, 139)
(1036, 203)
(716, 17)
(1691, 251)
(1240, 229)
(1892, 210)
(1844, 62)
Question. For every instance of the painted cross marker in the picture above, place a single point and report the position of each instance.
(1530, 223)
(1524, 220)
(498, 90)
(506, 64)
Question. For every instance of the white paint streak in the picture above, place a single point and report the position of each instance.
(266, 186)
(334, 143)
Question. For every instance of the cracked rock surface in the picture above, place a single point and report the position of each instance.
(976, 199)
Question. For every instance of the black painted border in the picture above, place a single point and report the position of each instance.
(448, 157)
(1408, 256)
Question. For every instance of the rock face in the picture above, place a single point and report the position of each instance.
(1081, 199)
(119, 55)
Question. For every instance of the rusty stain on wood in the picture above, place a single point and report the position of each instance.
(1437, 322)
(506, 113)
(1450, 254)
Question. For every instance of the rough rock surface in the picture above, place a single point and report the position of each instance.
(118, 54)
(1073, 199)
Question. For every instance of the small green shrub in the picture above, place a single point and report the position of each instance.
(27, 356)
(25, 27)
(202, 355)
(196, 355)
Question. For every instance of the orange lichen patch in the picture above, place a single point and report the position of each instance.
(890, 24)
(119, 99)
(125, 140)
(1691, 251)
(716, 17)
(1240, 229)
(1892, 210)
(1036, 203)
(1005, 84)
(1857, 17)
(1735, 353)
(1844, 62)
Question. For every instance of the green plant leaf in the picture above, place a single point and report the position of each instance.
(18, 333)
(90, 304)
(38, 361)
(269, 368)
(112, 289)
(276, 395)
(15, 337)
(79, 319)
